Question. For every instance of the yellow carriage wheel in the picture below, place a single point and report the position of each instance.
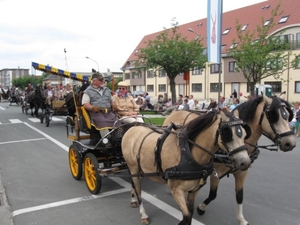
(91, 174)
(75, 162)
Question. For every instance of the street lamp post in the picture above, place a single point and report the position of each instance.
(94, 61)
(198, 35)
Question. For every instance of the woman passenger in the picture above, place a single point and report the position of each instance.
(125, 106)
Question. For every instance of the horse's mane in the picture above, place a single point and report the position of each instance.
(199, 124)
(246, 110)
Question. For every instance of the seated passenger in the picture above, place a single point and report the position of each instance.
(212, 104)
(97, 101)
(66, 91)
(125, 106)
(49, 95)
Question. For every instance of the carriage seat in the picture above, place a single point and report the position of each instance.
(88, 123)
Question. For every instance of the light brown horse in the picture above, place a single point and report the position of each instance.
(268, 116)
(182, 158)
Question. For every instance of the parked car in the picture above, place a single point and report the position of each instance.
(133, 93)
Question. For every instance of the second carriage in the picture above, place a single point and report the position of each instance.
(57, 108)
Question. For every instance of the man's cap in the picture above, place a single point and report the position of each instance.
(98, 76)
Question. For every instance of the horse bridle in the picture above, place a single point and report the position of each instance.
(225, 131)
(266, 111)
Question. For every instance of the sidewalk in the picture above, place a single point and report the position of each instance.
(154, 116)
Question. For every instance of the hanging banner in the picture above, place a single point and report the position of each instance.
(186, 75)
(214, 21)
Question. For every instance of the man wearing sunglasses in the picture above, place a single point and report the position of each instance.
(125, 106)
(97, 101)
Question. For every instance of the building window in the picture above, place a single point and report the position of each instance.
(162, 73)
(196, 71)
(150, 88)
(266, 23)
(276, 86)
(127, 76)
(214, 87)
(232, 66)
(136, 75)
(298, 65)
(197, 87)
(226, 31)
(233, 45)
(297, 86)
(214, 68)
(162, 88)
(150, 74)
(285, 38)
(283, 19)
(298, 40)
(244, 27)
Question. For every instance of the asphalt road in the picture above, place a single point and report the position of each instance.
(38, 189)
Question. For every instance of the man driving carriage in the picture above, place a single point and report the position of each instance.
(97, 101)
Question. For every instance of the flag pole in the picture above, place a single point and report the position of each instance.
(220, 52)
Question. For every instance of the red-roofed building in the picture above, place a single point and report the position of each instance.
(202, 83)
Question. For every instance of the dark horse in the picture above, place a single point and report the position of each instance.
(36, 100)
(77, 93)
(4, 94)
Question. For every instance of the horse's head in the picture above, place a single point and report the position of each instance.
(215, 130)
(232, 133)
(275, 120)
(268, 116)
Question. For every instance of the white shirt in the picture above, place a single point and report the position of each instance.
(50, 93)
(191, 104)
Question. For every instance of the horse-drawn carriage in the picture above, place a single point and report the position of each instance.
(154, 153)
(57, 108)
(182, 156)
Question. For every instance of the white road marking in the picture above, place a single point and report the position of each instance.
(127, 187)
(11, 142)
(70, 201)
(15, 121)
(2, 108)
(35, 120)
(56, 119)
(64, 147)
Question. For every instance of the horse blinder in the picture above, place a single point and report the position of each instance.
(291, 116)
(247, 129)
(273, 115)
(226, 133)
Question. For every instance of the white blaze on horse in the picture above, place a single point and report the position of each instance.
(268, 116)
(182, 158)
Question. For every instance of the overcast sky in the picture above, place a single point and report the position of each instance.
(107, 31)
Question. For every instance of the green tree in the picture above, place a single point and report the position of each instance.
(173, 53)
(116, 81)
(259, 55)
(23, 81)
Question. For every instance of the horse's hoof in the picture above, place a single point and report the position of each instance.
(200, 211)
(134, 204)
(145, 221)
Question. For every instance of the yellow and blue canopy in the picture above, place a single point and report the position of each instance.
(58, 72)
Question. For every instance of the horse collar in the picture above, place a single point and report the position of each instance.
(188, 168)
